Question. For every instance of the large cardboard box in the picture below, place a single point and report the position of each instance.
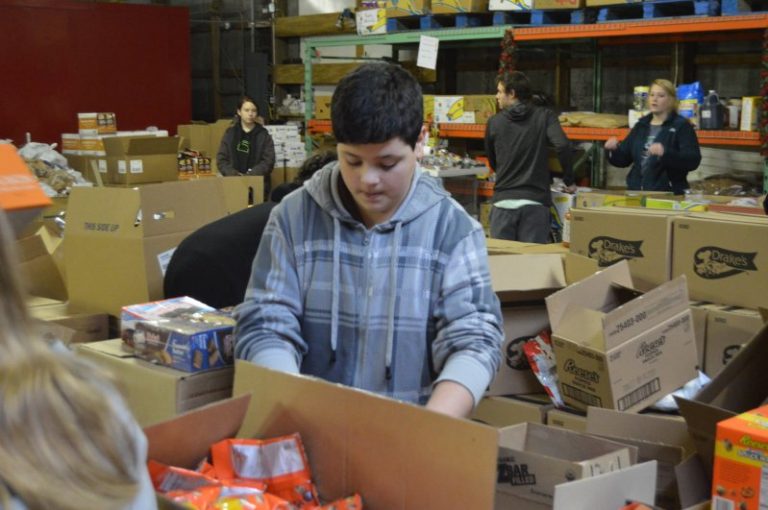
(119, 240)
(510, 5)
(21, 196)
(506, 411)
(558, 4)
(355, 441)
(84, 327)
(155, 393)
(724, 257)
(738, 388)
(571, 419)
(610, 490)
(641, 237)
(521, 282)
(40, 274)
(657, 438)
(205, 138)
(140, 160)
(618, 348)
(699, 312)
(604, 198)
(728, 329)
(400, 8)
(458, 6)
(534, 458)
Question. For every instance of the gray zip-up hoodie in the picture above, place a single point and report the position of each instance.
(392, 309)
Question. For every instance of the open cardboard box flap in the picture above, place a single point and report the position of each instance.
(740, 387)
(126, 147)
(396, 455)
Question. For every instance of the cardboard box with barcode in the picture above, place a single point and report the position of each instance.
(738, 388)
(522, 277)
(741, 459)
(155, 393)
(534, 458)
(641, 237)
(181, 333)
(342, 426)
(617, 347)
(724, 257)
(657, 437)
(143, 159)
(119, 240)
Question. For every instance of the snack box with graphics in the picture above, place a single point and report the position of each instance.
(741, 462)
(182, 333)
(724, 257)
(640, 236)
(617, 347)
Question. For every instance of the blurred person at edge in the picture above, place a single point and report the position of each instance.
(69, 441)
(246, 147)
(662, 147)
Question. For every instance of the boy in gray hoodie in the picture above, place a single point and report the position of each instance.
(371, 275)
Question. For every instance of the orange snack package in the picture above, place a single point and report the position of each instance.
(279, 462)
(169, 478)
(350, 503)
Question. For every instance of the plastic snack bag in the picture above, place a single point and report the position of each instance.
(541, 357)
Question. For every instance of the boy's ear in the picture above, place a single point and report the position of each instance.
(419, 149)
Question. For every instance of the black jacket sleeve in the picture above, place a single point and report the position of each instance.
(224, 156)
(556, 136)
(683, 156)
(622, 156)
(267, 161)
(490, 149)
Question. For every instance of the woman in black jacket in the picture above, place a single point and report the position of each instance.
(662, 147)
(246, 147)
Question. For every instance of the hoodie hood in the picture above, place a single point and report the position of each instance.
(518, 111)
(425, 192)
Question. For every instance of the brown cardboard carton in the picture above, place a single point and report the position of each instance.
(242, 191)
(739, 387)
(724, 257)
(558, 4)
(617, 347)
(140, 160)
(322, 107)
(341, 426)
(599, 3)
(728, 328)
(608, 491)
(656, 437)
(642, 237)
(119, 240)
(571, 419)
(40, 275)
(534, 458)
(699, 312)
(401, 8)
(85, 165)
(85, 327)
(506, 411)
(155, 393)
(197, 137)
(522, 281)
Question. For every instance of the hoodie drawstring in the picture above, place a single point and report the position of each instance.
(392, 300)
(335, 289)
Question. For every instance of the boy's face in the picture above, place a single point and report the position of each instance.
(378, 175)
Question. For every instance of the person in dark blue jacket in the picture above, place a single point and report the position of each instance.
(662, 147)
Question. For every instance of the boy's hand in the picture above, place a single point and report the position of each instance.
(451, 398)
(611, 144)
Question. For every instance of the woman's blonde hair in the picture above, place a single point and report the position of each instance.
(62, 443)
(668, 87)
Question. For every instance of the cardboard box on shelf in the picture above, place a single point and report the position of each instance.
(657, 438)
(21, 196)
(741, 456)
(738, 388)
(558, 4)
(70, 143)
(96, 123)
(371, 21)
(534, 458)
(641, 237)
(750, 113)
(723, 256)
(155, 393)
(483, 106)
(322, 107)
(119, 240)
(728, 329)
(600, 3)
(142, 159)
(617, 347)
(458, 6)
(510, 5)
(521, 282)
(506, 411)
(341, 426)
(400, 8)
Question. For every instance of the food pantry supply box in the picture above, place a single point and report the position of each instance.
(641, 237)
(355, 441)
(522, 280)
(534, 458)
(181, 333)
(741, 461)
(119, 240)
(458, 6)
(618, 348)
(724, 257)
(399, 8)
(139, 160)
(205, 138)
(21, 196)
(728, 329)
(155, 393)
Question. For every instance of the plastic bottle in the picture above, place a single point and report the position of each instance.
(712, 112)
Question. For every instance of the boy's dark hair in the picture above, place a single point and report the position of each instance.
(517, 81)
(375, 103)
